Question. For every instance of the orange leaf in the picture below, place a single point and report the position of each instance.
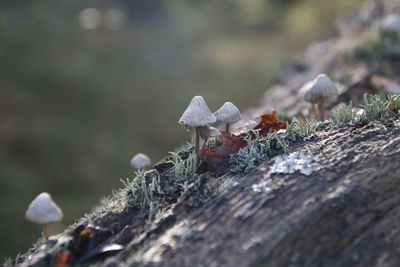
(392, 106)
(269, 122)
(62, 259)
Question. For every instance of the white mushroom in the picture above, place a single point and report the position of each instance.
(140, 160)
(195, 116)
(391, 26)
(207, 132)
(43, 210)
(321, 91)
(228, 113)
(391, 23)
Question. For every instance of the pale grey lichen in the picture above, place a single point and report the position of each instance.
(248, 158)
(343, 115)
(295, 162)
(257, 151)
(296, 128)
(376, 107)
(185, 169)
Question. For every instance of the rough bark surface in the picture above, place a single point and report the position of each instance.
(346, 214)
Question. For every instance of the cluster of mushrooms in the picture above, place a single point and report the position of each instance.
(44, 211)
(198, 117)
(320, 92)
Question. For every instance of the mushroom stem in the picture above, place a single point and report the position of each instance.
(204, 145)
(227, 127)
(197, 141)
(314, 110)
(46, 230)
(321, 112)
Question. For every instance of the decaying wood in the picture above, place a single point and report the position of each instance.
(346, 214)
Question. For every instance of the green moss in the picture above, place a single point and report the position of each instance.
(394, 100)
(257, 151)
(248, 158)
(296, 128)
(185, 169)
(376, 107)
(380, 48)
(261, 149)
(343, 115)
(147, 190)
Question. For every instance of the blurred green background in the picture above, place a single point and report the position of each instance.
(84, 85)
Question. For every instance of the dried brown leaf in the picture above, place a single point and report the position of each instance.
(218, 159)
(269, 123)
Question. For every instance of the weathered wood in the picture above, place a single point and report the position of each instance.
(346, 214)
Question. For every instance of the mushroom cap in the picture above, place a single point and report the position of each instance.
(303, 90)
(197, 114)
(391, 23)
(321, 90)
(228, 113)
(43, 210)
(140, 160)
(208, 131)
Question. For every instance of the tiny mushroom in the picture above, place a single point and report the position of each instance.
(43, 210)
(391, 25)
(228, 113)
(197, 115)
(140, 160)
(207, 132)
(321, 91)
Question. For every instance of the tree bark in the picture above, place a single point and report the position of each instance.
(345, 214)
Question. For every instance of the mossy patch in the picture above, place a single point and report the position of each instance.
(382, 47)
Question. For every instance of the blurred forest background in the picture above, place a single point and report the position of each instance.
(84, 85)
